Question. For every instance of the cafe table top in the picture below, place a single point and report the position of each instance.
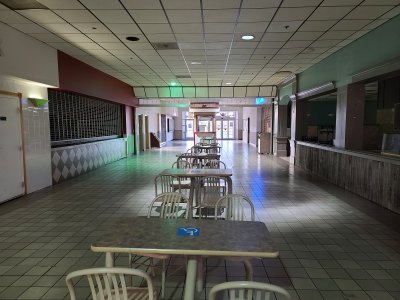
(197, 172)
(160, 236)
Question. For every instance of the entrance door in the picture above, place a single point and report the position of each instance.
(141, 133)
(225, 129)
(11, 166)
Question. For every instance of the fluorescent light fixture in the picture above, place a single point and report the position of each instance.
(173, 83)
(196, 63)
(228, 83)
(247, 37)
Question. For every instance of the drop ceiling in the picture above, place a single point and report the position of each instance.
(290, 36)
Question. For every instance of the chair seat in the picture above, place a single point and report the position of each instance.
(183, 183)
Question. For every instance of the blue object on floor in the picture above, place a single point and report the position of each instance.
(187, 231)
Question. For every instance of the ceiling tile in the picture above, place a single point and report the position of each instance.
(61, 4)
(124, 28)
(243, 45)
(324, 43)
(41, 16)
(187, 28)
(91, 28)
(47, 37)
(367, 12)
(149, 16)
(341, 2)
(113, 46)
(61, 28)
(88, 46)
(296, 44)
(103, 37)
(350, 24)
(261, 3)
(300, 3)
(155, 28)
(392, 13)
(251, 27)
(101, 4)
(381, 2)
(10, 17)
(276, 36)
(219, 27)
(140, 4)
(189, 38)
(75, 15)
(336, 35)
(113, 16)
(179, 4)
(216, 15)
(184, 16)
(306, 35)
(293, 14)
(220, 4)
(330, 13)
(317, 25)
(29, 28)
(256, 15)
(75, 38)
(215, 37)
(286, 26)
(271, 44)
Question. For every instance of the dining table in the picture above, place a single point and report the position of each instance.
(199, 158)
(193, 238)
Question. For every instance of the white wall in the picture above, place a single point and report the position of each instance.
(254, 113)
(24, 57)
(26, 67)
(36, 132)
(153, 114)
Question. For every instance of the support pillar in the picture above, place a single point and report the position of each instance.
(350, 117)
(281, 130)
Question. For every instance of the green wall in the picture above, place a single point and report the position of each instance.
(378, 46)
(131, 144)
(284, 94)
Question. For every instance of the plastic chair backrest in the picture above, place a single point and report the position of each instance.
(166, 184)
(110, 283)
(249, 290)
(171, 204)
(235, 207)
(215, 164)
(182, 164)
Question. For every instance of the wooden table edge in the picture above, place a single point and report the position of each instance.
(272, 254)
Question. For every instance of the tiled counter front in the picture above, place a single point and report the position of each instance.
(72, 161)
(373, 177)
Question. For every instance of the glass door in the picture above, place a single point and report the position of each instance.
(219, 129)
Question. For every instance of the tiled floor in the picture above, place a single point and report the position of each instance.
(333, 245)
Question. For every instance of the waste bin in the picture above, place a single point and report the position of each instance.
(263, 142)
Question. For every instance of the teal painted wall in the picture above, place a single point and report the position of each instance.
(378, 46)
(284, 93)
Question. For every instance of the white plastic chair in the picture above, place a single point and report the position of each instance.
(211, 189)
(249, 290)
(170, 208)
(214, 164)
(236, 208)
(110, 283)
(166, 184)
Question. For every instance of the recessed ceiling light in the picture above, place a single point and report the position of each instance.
(247, 37)
(228, 83)
(132, 38)
(196, 63)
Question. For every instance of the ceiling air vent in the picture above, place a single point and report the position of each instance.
(183, 76)
(165, 46)
(22, 4)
